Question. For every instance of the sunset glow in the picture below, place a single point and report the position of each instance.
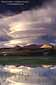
(18, 26)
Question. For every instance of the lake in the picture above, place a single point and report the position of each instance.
(27, 75)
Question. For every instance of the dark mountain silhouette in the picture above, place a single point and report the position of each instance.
(29, 50)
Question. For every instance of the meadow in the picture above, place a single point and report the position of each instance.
(31, 60)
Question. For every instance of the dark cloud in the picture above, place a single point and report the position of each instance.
(4, 7)
(5, 38)
(45, 39)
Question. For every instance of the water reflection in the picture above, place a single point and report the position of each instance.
(23, 75)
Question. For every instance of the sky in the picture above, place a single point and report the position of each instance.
(33, 21)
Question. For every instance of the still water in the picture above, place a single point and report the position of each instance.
(26, 75)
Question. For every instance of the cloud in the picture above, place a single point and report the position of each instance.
(29, 26)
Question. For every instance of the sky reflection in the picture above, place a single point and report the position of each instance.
(23, 75)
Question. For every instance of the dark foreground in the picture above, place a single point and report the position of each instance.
(27, 60)
(31, 54)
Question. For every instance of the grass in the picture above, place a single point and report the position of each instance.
(27, 60)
